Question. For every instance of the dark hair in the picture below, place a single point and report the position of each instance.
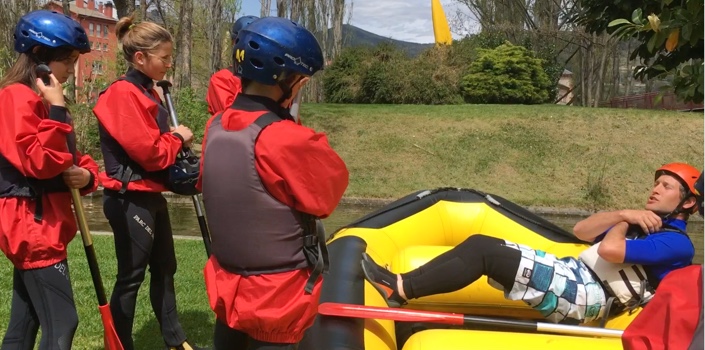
(23, 71)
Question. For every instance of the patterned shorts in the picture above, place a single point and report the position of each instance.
(563, 290)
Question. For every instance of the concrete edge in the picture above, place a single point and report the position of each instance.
(379, 202)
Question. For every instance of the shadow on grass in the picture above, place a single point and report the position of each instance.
(198, 326)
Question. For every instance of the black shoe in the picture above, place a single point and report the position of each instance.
(383, 280)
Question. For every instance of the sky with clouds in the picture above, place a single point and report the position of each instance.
(408, 20)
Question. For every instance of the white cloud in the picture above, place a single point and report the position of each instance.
(408, 20)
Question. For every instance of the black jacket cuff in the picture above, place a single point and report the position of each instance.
(58, 113)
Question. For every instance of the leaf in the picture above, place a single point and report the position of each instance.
(687, 31)
(672, 41)
(692, 6)
(618, 22)
(658, 98)
(659, 67)
(694, 39)
(660, 40)
(654, 22)
(652, 43)
(636, 16)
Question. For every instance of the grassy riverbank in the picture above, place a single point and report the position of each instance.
(547, 155)
(194, 312)
(550, 156)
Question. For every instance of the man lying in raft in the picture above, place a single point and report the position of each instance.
(632, 251)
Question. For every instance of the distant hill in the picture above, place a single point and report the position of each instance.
(354, 36)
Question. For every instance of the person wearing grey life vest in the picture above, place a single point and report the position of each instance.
(266, 183)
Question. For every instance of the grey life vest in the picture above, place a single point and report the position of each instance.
(252, 232)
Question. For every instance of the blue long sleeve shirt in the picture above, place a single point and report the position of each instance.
(660, 252)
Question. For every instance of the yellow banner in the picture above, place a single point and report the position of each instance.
(441, 30)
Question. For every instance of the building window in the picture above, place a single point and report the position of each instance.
(105, 31)
(105, 47)
(97, 67)
(90, 29)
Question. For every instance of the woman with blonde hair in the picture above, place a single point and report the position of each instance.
(138, 148)
(38, 165)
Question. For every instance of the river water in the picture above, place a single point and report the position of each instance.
(184, 222)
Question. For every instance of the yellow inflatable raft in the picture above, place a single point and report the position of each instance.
(414, 229)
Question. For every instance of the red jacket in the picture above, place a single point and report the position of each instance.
(36, 147)
(130, 117)
(296, 165)
(669, 320)
(222, 89)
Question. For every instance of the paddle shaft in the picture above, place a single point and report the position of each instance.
(405, 315)
(202, 224)
(88, 247)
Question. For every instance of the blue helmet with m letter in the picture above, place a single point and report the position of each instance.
(272, 48)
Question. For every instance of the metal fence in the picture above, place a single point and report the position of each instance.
(648, 101)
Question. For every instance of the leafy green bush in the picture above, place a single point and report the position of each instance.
(86, 126)
(384, 74)
(342, 80)
(192, 111)
(507, 74)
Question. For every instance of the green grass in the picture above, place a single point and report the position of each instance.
(545, 155)
(534, 155)
(195, 315)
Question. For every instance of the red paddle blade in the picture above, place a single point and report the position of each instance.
(384, 313)
(110, 337)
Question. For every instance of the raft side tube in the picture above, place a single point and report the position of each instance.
(421, 200)
(344, 283)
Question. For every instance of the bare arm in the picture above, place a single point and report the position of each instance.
(614, 246)
(593, 226)
(596, 224)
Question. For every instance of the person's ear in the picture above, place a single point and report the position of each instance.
(139, 58)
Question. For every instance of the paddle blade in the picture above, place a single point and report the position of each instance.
(110, 337)
(384, 313)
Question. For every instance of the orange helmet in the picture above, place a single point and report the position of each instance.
(686, 174)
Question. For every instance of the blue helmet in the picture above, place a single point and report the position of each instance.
(273, 46)
(50, 29)
(241, 22)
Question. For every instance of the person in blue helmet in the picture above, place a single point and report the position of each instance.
(224, 84)
(38, 164)
(264, 275)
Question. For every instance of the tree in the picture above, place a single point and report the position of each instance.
(669, 35)
(10, 14)
(124, 7)
(184, 44)
(507, 74)
(71, 83)
(318, 16)
(213, 35)
(265, 8)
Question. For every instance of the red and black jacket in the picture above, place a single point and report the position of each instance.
(223, 87)
(135, 140)
(37, 144)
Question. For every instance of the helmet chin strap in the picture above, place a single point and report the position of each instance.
(679, 209)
